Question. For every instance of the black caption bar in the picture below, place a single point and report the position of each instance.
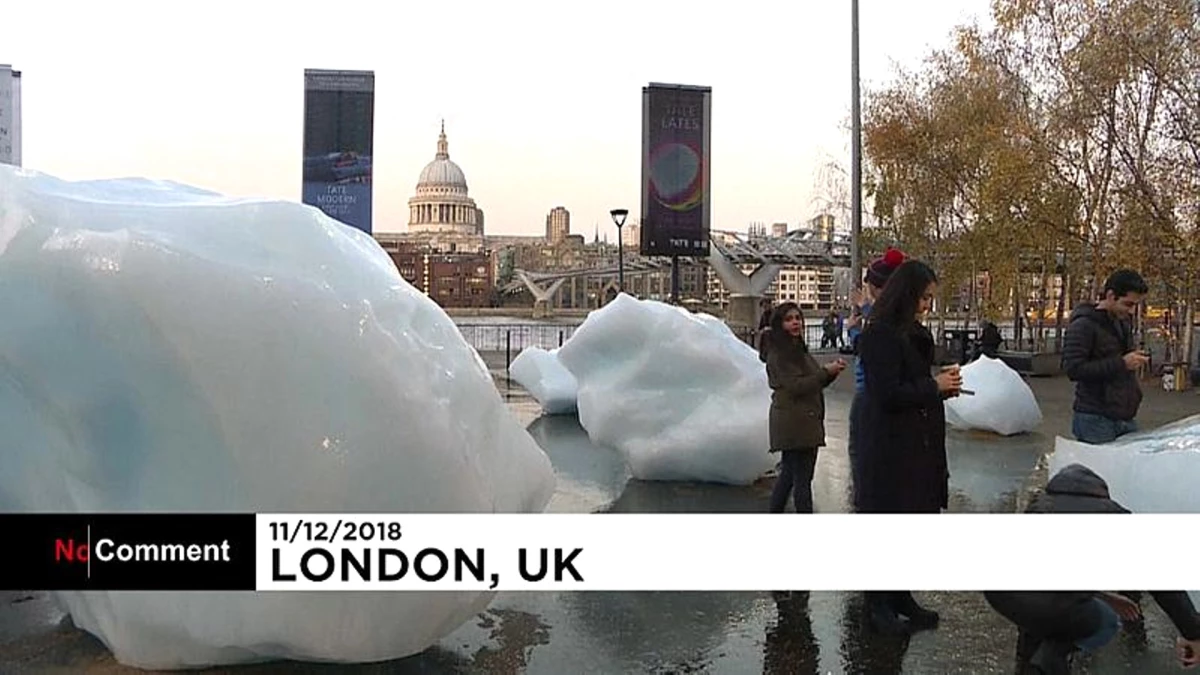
(127, 552)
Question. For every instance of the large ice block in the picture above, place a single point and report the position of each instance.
(677, 393)
(1002, 401)
(549, 382)
(168, 349)
(1153, 471)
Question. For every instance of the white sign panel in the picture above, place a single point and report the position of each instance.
(8, 141)
(16, 118)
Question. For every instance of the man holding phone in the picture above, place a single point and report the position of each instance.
(1099, 356)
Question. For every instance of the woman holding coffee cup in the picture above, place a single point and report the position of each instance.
(902, 446)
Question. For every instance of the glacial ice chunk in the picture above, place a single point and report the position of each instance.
(1002, 401)
(680, 396)
(549, 382)
(1153, 471)
(169, 349)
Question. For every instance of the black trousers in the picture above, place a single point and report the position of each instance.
(795, 477)
(1054, 622)
(1067, 617)
(856, 407)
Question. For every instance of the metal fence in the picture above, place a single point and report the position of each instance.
(510, 338)
(513, 337)
(813, 336)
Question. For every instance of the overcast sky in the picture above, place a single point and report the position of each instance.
(542, 100)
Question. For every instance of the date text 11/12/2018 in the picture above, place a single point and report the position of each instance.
(335, 531)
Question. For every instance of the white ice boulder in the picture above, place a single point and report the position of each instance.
(679, 395)
(546, 379)
(1153, 471)
(168, 349)
(1002, 401)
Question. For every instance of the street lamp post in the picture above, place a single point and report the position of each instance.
(856, 202)
(618, 216)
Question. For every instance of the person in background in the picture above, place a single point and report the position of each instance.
(878, 273)
(1052, 625)
(797, 417)
(1100, 358)
(902, 443)
(765, 307)
(840, 331)
(829, 330)
(990, 340)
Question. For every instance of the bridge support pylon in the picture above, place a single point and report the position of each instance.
(542, 297)
(745, 292)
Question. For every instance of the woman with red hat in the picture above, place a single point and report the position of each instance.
(878, 273)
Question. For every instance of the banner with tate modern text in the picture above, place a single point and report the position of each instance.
(676, 140)
(339, 122)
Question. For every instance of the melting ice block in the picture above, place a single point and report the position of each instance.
(548, 381)
(167, 349)
(679, 395)
(1154, 471)
(1002, 403)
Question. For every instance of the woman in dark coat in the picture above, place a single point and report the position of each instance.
(797, 416)
(902, 446)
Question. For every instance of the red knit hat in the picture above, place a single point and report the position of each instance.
(880, 270)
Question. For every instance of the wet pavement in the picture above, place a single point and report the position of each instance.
(701, 632)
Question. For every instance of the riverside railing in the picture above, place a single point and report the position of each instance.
(511, 338)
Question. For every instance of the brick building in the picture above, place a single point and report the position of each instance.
(459, 279)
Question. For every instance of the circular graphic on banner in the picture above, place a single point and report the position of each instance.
(676, 176)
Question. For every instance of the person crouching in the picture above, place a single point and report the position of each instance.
(1053, 625)
(797, 417)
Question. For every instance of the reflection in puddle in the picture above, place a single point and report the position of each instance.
(790, 645)
(590, 477)
(652, 631)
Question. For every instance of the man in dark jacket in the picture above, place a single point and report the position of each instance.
(1053, 624)
(990, 340)
(1099, 356)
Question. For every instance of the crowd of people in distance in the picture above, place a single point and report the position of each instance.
(897, 441)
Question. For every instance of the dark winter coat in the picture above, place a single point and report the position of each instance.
(901, 442)
(797, 381)
(1077, 489)
(1093, 356)
(990, 340)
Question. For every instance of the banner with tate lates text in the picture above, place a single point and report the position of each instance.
(676, 135)
(339, 123)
